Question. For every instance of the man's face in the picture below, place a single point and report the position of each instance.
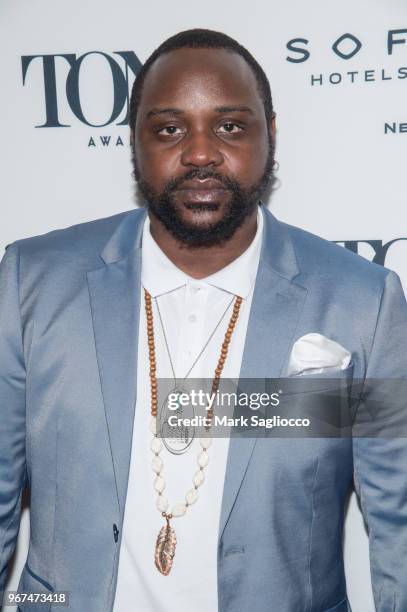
(203, 151)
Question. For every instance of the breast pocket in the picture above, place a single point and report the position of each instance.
(31, 582)
(325, 400)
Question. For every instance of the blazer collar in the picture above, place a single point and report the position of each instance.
(277, 250)
(126, 238)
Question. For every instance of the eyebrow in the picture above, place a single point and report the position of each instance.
(163, 111)
(234, 109)
(177, 111)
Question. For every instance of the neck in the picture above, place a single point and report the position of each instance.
(204, 261)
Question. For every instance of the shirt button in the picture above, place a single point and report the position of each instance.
(195, 289)
(192, 318)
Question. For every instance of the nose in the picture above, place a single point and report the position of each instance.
(201, 149)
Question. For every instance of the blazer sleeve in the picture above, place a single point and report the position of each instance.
(380, 463)
(12, 409)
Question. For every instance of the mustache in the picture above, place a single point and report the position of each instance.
(202, 174)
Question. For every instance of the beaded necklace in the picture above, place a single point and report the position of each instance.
(166, 539)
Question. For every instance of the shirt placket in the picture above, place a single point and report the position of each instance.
(193, 325)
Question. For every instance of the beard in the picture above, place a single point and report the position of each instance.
(241, 204)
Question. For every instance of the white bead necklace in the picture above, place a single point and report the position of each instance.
(166, 539)
(157, 465)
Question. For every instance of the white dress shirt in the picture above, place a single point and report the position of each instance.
(190, 310)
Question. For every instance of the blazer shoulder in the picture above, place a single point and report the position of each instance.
(82, 240)
(320, 257)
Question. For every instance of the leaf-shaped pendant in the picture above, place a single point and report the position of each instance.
(165, 549)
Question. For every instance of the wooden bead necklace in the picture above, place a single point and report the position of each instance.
(166, 539)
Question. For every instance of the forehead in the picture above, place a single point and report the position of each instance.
(200, 77)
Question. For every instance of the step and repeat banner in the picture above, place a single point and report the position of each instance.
(338, 73)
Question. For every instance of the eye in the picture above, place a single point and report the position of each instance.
(170, 130)
(230, 128)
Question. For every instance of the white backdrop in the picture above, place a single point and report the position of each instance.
(341, 140)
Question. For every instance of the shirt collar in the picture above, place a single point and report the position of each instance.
(160, 275)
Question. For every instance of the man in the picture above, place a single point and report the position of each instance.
(93, 315)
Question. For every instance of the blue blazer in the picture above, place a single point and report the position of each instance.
(69, 310)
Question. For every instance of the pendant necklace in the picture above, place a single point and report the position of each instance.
(178, 439)
(166, 539)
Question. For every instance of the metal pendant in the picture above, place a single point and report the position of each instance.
(176, 439)
(165, 549)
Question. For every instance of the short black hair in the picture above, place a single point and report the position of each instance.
(201, 39)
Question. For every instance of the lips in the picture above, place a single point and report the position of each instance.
(202, 185)
(202, 191)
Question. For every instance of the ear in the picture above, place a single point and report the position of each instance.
(131, 139)
(273, 125)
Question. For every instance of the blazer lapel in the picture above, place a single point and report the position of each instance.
(114, 292)
(276, 307)
(115, 304)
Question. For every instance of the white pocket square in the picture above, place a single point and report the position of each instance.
(316, 354)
